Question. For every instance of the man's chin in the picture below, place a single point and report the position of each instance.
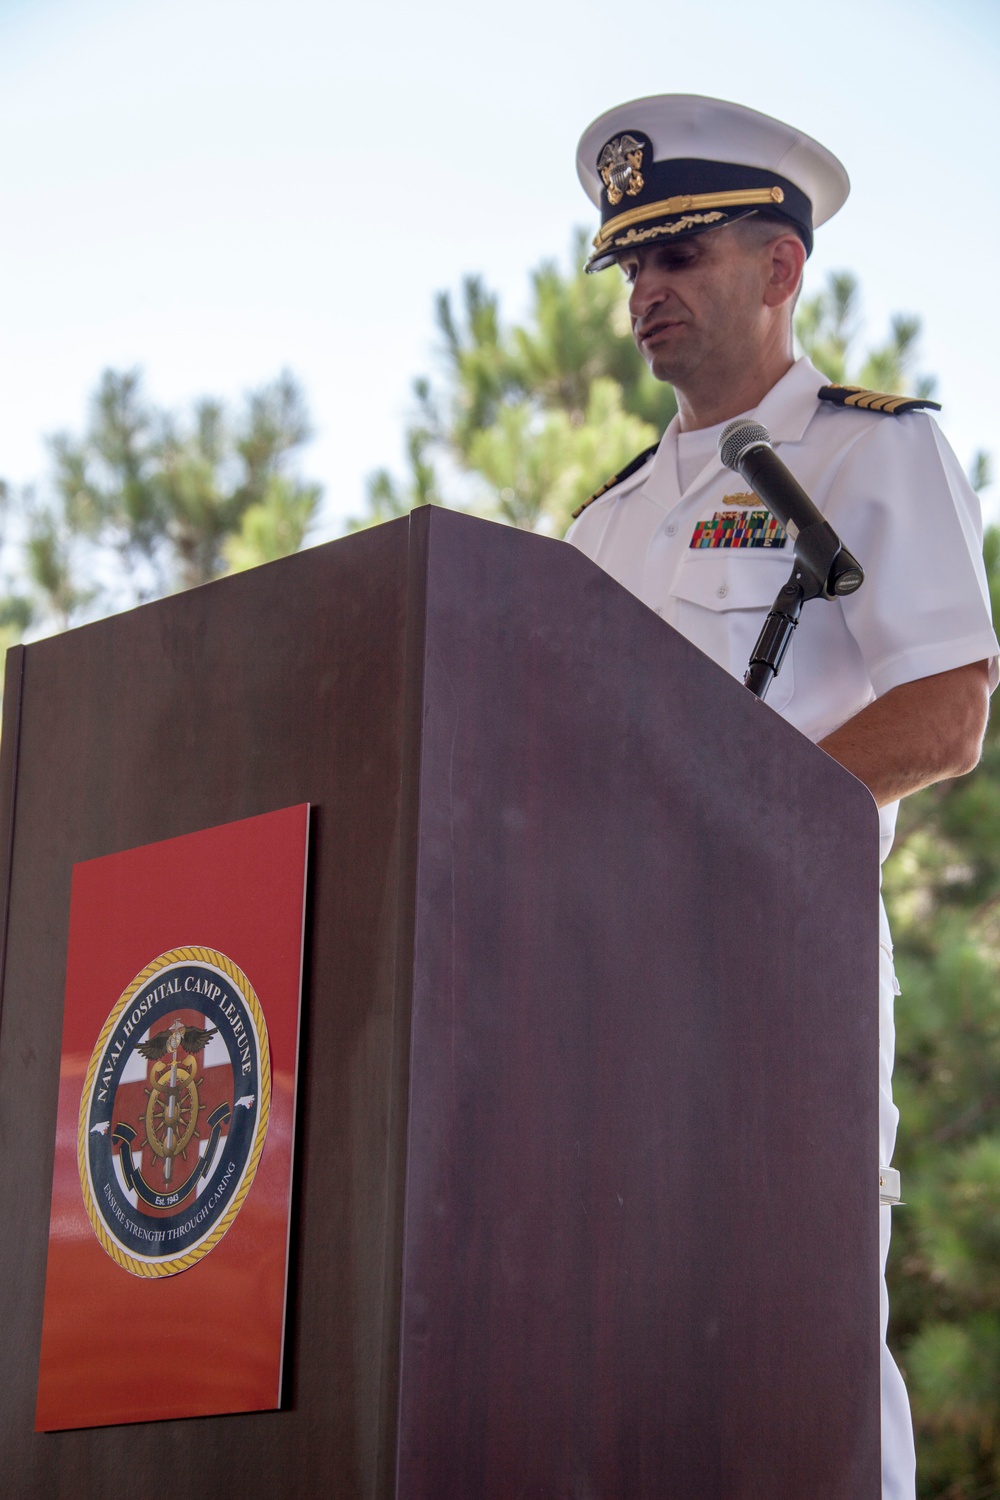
(664, 368)
(665, 359)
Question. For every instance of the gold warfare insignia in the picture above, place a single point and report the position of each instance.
(174, 1112)
(619, 167)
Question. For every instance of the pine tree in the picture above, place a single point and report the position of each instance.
(943, 896)
(528, 418)
(942, 892)
(146, 501)
(827, 327)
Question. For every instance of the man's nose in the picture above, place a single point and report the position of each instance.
(647, 292)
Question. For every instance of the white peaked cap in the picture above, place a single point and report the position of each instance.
(689, 129)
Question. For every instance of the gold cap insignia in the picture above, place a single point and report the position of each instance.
(619, 167)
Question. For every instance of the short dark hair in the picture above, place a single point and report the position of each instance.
(764, 225)
(772, 221)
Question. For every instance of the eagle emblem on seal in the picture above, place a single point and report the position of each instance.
(177, 1035)
(619, 167)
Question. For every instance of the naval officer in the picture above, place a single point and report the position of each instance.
(709, 209)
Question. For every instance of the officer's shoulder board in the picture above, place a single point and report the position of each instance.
(888, 405)
(619, 478)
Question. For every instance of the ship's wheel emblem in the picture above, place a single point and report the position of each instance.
(171, 1116)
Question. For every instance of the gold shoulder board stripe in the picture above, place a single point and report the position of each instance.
(889, 405)
(623, 474)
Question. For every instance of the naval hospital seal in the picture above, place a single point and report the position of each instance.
(174, 1112)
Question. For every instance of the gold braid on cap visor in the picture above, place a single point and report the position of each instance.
(682, 203)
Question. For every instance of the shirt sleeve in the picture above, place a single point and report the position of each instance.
(901, 503)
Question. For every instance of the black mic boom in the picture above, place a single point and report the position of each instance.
(745, 447)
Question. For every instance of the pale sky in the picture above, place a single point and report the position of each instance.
(216, 190)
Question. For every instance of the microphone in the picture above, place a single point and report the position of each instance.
(745, 446)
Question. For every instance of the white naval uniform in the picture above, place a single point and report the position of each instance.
(895, 493)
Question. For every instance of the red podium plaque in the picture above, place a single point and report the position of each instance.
(168, 1235)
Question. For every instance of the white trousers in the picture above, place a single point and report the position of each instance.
(898, 1458)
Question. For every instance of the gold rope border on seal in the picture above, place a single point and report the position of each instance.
(121, 1257)
(683, 203)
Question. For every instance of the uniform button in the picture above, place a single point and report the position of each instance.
(671, 529)
(722, 590)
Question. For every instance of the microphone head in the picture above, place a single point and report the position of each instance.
(738, 437)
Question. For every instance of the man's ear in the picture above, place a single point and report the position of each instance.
(787, 257)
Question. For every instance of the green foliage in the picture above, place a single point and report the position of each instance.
(540, 467)
(942, 891)
(827, 327)
(981, 471)
(942, 886)
(386, 498)
(272, 526)
(145, 501)
(529, 418)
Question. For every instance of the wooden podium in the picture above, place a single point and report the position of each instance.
(586, 1199)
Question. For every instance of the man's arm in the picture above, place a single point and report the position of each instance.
(918, 733)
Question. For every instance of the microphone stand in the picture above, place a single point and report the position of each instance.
(823, 567)
(775, 638)
(821, 564)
